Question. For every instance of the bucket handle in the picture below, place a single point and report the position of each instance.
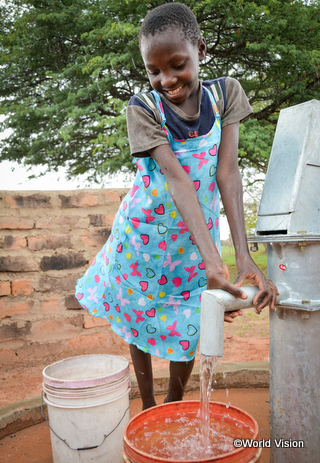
(84, 448)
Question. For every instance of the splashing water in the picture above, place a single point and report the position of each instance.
(207, 367)
(177, 435)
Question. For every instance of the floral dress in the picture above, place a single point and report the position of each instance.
(148, 278)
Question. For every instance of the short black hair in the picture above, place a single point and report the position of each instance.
(171, 15)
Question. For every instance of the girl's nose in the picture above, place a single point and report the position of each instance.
(168, 80)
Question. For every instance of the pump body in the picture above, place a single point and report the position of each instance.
(289, 222)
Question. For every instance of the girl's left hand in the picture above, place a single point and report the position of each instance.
(229, 316)
(267, 293)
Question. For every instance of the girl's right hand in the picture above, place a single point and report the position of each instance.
(218, 278)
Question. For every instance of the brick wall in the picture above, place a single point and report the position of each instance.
(47, 240)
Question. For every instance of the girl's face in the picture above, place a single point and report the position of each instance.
(172, 64)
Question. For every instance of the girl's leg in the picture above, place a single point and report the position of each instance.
(179, 374)
(143, 370)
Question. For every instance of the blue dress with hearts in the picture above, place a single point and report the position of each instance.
(148, 278)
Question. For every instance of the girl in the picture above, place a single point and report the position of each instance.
(163, 250)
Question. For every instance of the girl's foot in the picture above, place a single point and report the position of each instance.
(147, 405)
(167, 400)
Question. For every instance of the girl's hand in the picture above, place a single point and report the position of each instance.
(229, 316)
(218, 278)
(267, 293)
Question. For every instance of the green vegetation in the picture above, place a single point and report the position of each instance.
(250, 324)
(68, 69)
(260, 258)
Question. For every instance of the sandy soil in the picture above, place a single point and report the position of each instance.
(246, 340)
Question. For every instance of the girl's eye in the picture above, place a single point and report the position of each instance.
(152, 73)
(180, 65)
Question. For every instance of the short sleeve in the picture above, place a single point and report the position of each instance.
(232, 102)
(236, 107)
(144, 128)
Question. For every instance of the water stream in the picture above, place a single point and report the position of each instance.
(207, 367)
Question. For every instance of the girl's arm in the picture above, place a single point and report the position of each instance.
(185, 198)
(230, 187)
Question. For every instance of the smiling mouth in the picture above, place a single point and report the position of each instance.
(175, 91)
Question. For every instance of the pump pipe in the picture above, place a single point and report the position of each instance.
(214, 303)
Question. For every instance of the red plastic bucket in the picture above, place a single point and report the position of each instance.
(149, 435)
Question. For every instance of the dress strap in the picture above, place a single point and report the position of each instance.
(153, 102)
(160, 107)
(214, 95)
(147, 100)
(216, 92)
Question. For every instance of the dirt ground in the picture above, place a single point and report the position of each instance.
(246, 340)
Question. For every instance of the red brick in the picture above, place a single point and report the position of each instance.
(35, 200)
(22, 287)
(62, 262)
(117, 340)
(97, 343)
(5, 288)
(9, 309)
(49, 325)
(112, 195)
(93, 322)
(101, 220)
(50, 305)
(14, 330)
(15, 223)
(7, 356)
(71, 303)
(18, 264)
(28, 350)
(65, 220)
(37, 243)
(51, 328)
(96, 238)
(10, 242)
(123, 193)
(79, 200)
(58, 284)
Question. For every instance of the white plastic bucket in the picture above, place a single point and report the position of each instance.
(88, 407)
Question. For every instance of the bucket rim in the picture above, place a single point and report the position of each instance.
(80, 407)
(80, 394)
(86, 382)
(87, 389)
(237, 453)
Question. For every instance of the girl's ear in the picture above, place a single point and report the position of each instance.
(202, 48)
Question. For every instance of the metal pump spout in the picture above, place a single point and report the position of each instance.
(214, 303)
